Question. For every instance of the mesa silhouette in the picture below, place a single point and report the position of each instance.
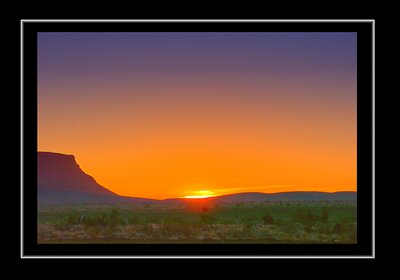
(62, 181)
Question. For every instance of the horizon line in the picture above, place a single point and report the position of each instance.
(204, 196)
(216, 196)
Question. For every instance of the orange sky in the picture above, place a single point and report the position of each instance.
(223, 132)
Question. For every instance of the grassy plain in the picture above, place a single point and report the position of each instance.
(236, 223)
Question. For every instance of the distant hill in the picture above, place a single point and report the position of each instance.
(257, 197)
(62, 181)
(286, 196)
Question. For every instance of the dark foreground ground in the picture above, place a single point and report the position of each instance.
(239, 223)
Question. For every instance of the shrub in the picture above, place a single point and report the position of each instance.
(72, 218)
(322, 228)
(249, 220)
(293, 229)
(268, 219)
(205, 218)
(102, 219)
(324, 215)
(306, 217)
(205, 215)
(338, 228)
(352, 233)
(152, 220)
(133, 220)
(115, 216)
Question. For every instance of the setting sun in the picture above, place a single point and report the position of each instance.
(201, 194)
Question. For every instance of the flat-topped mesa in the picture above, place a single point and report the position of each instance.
(49, 158)
(62, 172)
(62, 181)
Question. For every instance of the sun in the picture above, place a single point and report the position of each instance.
(200, 194)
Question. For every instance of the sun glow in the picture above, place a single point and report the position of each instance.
(200, 194)
(282, 119)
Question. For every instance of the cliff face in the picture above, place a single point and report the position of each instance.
(61, 180)
(59, 172)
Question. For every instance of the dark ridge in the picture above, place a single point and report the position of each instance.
(62, 181)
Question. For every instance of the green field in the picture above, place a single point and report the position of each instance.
(239, 223)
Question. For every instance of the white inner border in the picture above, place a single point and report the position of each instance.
(188, 256)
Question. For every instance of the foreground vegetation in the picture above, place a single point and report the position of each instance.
(240, 223)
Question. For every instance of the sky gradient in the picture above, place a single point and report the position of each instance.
(179, 114)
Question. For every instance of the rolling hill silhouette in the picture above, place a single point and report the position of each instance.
(62, 181)
(287, 196)
(257, 197)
